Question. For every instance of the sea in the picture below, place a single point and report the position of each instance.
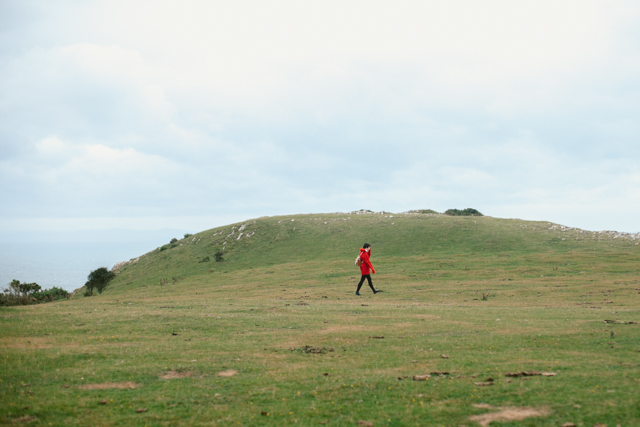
(66, 259)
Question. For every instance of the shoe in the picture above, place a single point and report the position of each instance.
(358, 293)
(377, 290)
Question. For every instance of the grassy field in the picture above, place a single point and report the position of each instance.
(274, 334)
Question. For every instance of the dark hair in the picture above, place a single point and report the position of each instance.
(366, 245)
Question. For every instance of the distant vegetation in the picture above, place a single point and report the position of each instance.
(18, 293)
(98, 279)
(463, 212)
(424, 211)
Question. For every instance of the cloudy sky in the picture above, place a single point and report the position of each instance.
(193, 114)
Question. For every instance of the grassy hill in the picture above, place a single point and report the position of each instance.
(476, 242)
(273, 335)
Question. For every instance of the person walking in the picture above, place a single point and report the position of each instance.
(366, 268)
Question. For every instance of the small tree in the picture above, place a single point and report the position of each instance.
(218, 256)
(29, 288)
(99, 279)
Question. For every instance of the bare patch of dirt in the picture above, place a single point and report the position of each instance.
(482, 405)
(172, 375)
(25, 419)
(29, 343)
(509, 414)
(312, 350)
(334, 329)
(530, 374)
(105, 386)
(228, 373)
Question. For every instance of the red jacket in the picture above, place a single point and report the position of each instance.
(366, 264)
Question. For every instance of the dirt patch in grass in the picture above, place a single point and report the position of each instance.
(105, 386)
(29, 343)
(172, 375)
(509, 414)
(345, 328)
(312, 350)
(228, 373)
(25, 419)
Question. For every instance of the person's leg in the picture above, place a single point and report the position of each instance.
(360, 284)
(375, 291)
(370, 284)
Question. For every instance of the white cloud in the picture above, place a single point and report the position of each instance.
(114, 108)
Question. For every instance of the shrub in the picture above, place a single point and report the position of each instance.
(463, 212)
(218, 256)
(99, 279)
(174, 240)
(52, 294)
(187, 235)
(18, 293)
(205, 259)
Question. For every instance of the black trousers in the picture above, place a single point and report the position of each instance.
(368, 277)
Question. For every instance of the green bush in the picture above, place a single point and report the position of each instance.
(18, 293)
(98, 279)
(218, 256)
(187, 235)
(174, 240)
(52, 294)
(463, 212)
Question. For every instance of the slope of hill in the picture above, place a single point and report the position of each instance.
(325, 238)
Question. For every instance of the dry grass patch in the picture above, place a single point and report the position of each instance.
(172, 375)
(346, 328)
(25, 419)
(29, 343)
(228, 373)
(105, 386)
(509, 414)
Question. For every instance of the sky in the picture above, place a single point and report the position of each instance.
(189, 114)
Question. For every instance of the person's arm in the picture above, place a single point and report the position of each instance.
(366, 260)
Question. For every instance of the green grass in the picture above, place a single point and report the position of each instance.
(283, 288)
